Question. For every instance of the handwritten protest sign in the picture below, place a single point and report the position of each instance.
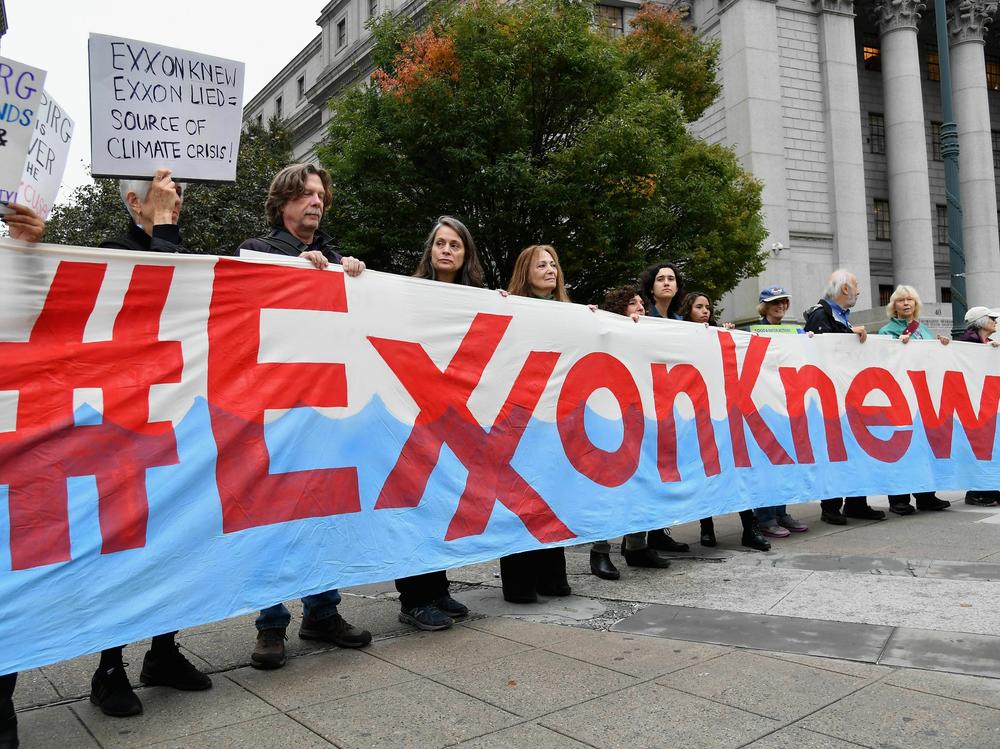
(47, 157)
(185, 438)
(153, 106)
(20, 93)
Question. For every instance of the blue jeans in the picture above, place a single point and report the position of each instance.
(768, 515)
(318, 606)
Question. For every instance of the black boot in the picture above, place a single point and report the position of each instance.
(752, 537)
(644, 558)
(8, 718)
(708, 532)
(516, 579)
(929, 501)
(551, 573)
(601, 565)
(661, 540)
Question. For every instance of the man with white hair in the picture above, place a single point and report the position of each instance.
(154, 207)
(832, 315)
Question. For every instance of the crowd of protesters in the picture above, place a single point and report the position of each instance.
(297, 200)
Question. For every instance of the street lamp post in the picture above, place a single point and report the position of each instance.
(949, 152)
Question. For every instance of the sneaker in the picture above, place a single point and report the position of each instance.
(110, 691)
(270, 650)
(789, 523)
(171, 669)
(661, 540)
(334, 629)
(774, 530)
(451, 607)
(427, 618)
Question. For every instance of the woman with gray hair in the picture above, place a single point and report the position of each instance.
(904, 325)
(981, 323)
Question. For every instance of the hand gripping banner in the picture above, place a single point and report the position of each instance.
(185, 438)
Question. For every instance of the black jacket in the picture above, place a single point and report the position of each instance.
(166, 238)
(820, 319)
(281, 242)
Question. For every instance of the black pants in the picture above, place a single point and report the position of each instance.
(904, 499)
(422, 590)
(7, 682)
(531, 570)
(849, 503)
(746, 517)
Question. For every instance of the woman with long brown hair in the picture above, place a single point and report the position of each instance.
(450, 257)
(524, 576)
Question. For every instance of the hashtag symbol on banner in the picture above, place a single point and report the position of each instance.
(46, 447)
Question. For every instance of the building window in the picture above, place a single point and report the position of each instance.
(260, 120)
(871, 52)
(884, 293)
(995, 137)
(372, 8)
(610, 21)
(882, 220)
(946, 295)
(933, 64)
(936, 141)
(993, 72)
(876, 132)
(942, 224)
(300, 87)
(341, 33)
(277, 107)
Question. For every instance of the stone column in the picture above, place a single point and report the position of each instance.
(751, 75)
(842, 113)
(906, 147)
(967, 23)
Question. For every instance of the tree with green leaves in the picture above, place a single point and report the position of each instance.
(531, 124)
(215, 219)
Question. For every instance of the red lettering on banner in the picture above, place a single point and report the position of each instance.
(240, 389)
(862, 417)
(980, 429)
(588, 375)
(47, 447)
(739, 401)
(797, 383)
(444, 418)
(667, 385)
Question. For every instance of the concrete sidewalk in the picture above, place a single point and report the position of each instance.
(874, 634)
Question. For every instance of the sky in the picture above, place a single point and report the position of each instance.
(53, 36)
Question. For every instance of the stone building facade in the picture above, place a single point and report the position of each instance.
(834, 105)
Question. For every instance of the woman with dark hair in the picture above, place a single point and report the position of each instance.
(660, 285)
(637, 549)
(525, 575)
(450, 257)
(697, 307)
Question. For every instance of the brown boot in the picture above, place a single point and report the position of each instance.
(270, 650)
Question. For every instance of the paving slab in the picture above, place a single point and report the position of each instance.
(529, 633)
(893, 718)
(858, 642)
(794, 737)
(320, 678)
(867, 671)
(171, 714)
(957, 652)
(55, 726)
(272, 732)
(634, 655)
(525, 735)
(34, 689)
(982, 691)
(859, 564)
(71, 678)
(792, 689)
(429, 653)
(565, 610)
(654, 716)
(951, 570)
(416, 714)
(954, 605)
(533, 683)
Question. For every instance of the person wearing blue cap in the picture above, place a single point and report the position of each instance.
(775, 521)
